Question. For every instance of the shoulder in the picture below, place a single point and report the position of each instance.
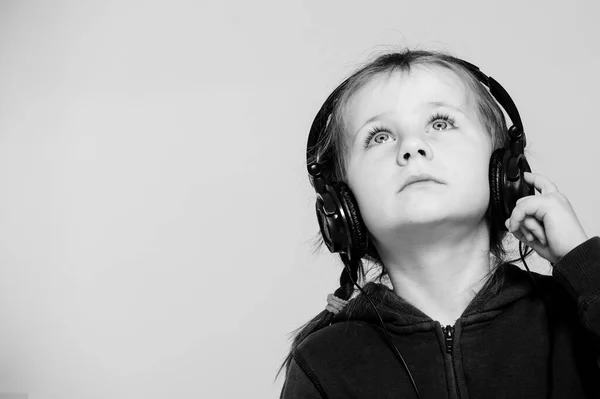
(546, 288)
(336, 340)
(515, 275)
(327, 358)
(338, 334)
(332, 354)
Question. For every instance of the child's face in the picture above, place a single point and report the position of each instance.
(411, 108)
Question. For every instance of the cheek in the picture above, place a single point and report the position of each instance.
(476, 170)
(473, 158)
(475, 183)
(369, 192)
(361, 188)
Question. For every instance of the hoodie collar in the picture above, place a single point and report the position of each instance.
(515, 284)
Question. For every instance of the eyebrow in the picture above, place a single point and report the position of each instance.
(431, 104)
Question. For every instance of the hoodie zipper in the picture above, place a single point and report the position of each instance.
(449, 338)
(449, 335)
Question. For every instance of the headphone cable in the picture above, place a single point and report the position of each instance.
(387, 335)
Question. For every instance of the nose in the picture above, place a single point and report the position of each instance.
(413, 147)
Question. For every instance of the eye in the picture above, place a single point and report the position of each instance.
(440, 125)
(374, 132)
(438, 121)
(441, 121)
(383, 134)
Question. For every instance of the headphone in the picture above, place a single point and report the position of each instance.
(340, 222)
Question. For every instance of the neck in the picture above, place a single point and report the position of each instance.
(439, 275)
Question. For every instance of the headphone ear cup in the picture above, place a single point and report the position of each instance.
(356, 226)
(503, 193)
(496, 177)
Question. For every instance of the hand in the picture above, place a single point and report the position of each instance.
(547, 223)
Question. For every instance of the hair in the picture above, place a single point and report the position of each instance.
(334, 145)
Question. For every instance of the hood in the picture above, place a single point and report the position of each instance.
(515, 284)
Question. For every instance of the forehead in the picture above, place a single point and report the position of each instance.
(405, 92)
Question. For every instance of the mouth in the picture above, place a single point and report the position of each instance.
(423, 178)
(420, 181)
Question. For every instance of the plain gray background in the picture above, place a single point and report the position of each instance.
(155, 211)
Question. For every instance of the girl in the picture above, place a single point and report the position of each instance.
(412, 144)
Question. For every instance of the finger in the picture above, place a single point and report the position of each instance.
(521, 232)
(541, 183)
(535, 229)
(534, 206)
(519, 235)
(526, 234)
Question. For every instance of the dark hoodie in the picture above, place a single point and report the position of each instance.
(498, 348)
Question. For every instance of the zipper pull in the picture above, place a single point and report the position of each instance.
(449, 335)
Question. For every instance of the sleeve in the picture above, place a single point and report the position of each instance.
(578, 272)
(298, 385)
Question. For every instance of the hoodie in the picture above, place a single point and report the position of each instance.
(506, 344)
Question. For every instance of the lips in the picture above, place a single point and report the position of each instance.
(418, 178)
